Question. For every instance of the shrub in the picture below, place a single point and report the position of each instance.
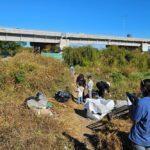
(9, 48)
(82, 56)
(114, 56)
(117, 76)
(19, 77)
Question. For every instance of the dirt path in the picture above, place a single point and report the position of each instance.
(72, 116)
(76, 118)
(77, 123)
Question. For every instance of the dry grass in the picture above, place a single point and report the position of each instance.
(21, 129)
(26, 73)
(115, 136)
(21, 77)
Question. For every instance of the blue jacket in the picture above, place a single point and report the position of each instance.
(140, 132)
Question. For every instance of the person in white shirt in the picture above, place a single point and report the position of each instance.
(72, 70)
(90, 85)
(80, 90)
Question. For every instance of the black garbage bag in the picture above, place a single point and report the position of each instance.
(62, 96)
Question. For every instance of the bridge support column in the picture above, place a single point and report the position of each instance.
(63, 43)
(145, 47)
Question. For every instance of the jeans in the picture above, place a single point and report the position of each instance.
(138, 147)
(80, 100)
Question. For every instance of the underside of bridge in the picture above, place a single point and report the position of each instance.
(126, 47)
(49, 47)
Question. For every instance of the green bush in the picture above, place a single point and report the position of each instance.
(19, 77)
(9, 48)
(114, 56)
(82, 56)
(117, 76)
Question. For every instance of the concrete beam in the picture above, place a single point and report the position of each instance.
(64, 39)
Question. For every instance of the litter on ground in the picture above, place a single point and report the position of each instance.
(39, 104)
(96, 109)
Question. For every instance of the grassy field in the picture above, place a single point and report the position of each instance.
(25, 74)
(22, 76)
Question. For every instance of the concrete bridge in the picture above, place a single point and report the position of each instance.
(43, 39)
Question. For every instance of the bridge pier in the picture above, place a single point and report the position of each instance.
(145, 47)
(63, 43)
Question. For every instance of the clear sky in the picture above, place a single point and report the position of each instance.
(109, 17)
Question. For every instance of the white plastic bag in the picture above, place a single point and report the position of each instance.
(98, 108)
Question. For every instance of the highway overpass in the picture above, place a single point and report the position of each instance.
(45, 38)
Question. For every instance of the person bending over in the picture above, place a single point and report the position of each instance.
(102, 87)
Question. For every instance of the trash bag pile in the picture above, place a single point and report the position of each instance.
(62, 96)
(39, 104)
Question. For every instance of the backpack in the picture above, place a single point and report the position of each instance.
(62, 96)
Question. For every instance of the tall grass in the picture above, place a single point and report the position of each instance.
(22, 76)
(27, 73)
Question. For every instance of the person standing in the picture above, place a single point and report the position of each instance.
(90, 85)
(81, 80)
(140, 115)
(72, 70)
(80, 90)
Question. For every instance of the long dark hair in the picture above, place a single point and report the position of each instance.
(145, 87)
(81, 80)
